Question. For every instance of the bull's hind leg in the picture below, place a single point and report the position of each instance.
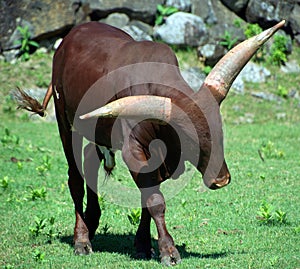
(92, 159)
(142, 240)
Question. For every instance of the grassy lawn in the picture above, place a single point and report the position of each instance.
(252, 223)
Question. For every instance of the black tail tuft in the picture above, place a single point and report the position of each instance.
(27, 102)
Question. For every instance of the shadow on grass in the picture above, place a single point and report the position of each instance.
(123, 244)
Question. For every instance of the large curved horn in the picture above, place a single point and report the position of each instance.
(148, 107)
(226, 70)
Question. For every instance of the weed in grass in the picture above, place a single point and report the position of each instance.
(9, 105)
(9, 139)
(281, 217)
(134, 216)
(266, 215)
(105, 229)
(51, 233)
(39, 226)
(101, 200)
(4, 182)
(38, 255)
(45, 166)
(37, 193)
(282, 92)
(269, 151)
(44, 227)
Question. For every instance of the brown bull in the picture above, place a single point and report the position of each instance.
(142, 106)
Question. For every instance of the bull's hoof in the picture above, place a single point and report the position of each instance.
(145, 255)
(171, 258)
(83, 248)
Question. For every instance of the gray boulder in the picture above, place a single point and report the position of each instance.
(183, 5)
(182, 29)
(256, 73)
(210, 54)
(295, 22)
(118, 20)
(44, 18)
(267, 11)
(136, 33)
(194, 77)
(236, 5)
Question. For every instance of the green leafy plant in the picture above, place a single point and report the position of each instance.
(278, 50)
(134, 216)
(45, 166)
(268, 150)
(207, 69)
(39, 226)
(9, 105)
(163, 12)
(282, 91)
(228, 41)
(280, 216)
(44, 226)
(51, 233)
(266, 215)
(38, 255)
(4, 182)
(9, 139)
(252, 29)
(25, 42)
(38, 193)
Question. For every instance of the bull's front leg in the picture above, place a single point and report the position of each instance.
(153, 201)
(168, 253)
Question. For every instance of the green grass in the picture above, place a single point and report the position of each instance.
(212, 229)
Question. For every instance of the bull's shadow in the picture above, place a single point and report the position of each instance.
(123, 244)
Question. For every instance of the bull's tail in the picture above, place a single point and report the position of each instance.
(31, 104)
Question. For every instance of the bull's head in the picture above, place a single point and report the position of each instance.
(202, 110)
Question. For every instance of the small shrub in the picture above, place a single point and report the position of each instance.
(278, 50)
(163, 12)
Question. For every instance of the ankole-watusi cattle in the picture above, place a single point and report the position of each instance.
(126, 95)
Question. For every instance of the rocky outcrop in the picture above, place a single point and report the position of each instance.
(49, 20)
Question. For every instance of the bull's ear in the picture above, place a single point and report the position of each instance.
(226, 70)
(142, 107)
